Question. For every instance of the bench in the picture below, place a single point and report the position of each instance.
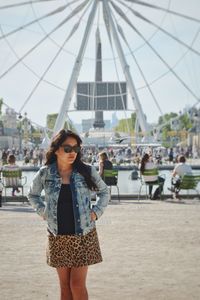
(13, 178)
(190, 182)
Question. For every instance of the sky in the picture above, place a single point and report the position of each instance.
(170, 93)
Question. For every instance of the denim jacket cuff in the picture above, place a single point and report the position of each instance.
(97, 211)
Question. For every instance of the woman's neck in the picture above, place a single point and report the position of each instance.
(63, 166)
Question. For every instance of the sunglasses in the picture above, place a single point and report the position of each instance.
(69, 148)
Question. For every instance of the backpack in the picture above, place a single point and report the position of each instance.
(134, 175)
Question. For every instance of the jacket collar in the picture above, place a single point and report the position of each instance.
(53, 170)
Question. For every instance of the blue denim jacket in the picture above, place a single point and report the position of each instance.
(49, 180)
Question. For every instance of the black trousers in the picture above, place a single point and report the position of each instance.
(159, 189)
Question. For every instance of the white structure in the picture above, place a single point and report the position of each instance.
(130, 25)
(9, 119)
(112, 31)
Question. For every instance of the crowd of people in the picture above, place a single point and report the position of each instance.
(161, 155)
(122, 155)
(144, 157)
(28, 156)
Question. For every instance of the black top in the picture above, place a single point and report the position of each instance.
(107, 165)
(65, 213)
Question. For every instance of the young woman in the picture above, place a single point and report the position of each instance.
(104, 163)
(148, 164)
(181, 169)
(72, 237)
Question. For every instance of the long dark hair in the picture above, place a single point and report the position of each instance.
(103, 156)
(81, 167)
(144, 160)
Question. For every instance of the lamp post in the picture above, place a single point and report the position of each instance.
(20, 133)
(196, 141)
(27, 129)
(196, 118)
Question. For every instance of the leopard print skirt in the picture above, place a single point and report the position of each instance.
(73, 250)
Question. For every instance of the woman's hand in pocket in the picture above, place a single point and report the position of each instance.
(93, 216)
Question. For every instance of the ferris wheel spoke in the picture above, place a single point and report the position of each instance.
(126, 70)
(151, 36)
(139, 68)
(60, 28)
(121, 13)
(74, 29)
(23, 3)
(106, 18)
(140, 16)
(30, 69)
(164, 9)
(45, 32)
(107, 24)
(191, 75)
(173, 67)
(52, 13)
(71, 15)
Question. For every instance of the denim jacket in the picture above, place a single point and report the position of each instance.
(49, 180)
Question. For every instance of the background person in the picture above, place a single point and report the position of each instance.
(171, 155)
(179, 171)
(148, 164)
(72, 237)
(12, 181)
(104, 163)
(4, 157)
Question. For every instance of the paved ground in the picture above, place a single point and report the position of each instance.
(151, 251)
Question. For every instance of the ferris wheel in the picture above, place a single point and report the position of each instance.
(48, 45)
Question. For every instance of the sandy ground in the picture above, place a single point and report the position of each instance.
(151, 251)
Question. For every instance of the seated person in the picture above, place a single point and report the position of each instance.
(105, 164)
(148, 164)
(11, 166)
(179, 171)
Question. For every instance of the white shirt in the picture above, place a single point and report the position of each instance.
(183, 168)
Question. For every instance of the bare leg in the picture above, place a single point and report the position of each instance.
(78, 283)
(64, 278)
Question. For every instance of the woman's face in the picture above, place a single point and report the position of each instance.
(67, 152)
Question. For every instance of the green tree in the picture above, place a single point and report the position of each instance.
(122, 125)
(1, 104)
(165, 125)
(166, 117)
(51, 120)
(185, 122)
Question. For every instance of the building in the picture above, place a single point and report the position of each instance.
(9, 120)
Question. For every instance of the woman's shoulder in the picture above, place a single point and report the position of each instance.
(43, 170)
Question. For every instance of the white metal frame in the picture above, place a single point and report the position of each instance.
(77, 66)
